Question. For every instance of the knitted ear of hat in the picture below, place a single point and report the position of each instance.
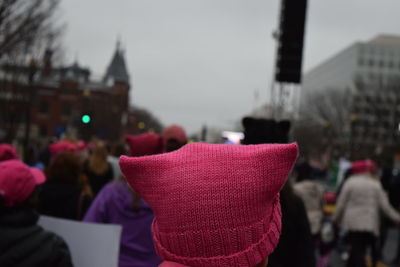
(214, 205)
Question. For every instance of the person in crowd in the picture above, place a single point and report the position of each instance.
(358, 211)
(97, 169)
(22, 241)
(174, 138)
(32, 158)
(215, 205)
(312, 194)
(118, 204)
(7, 152)
(62, 195)
(296, 239)
(117, 150)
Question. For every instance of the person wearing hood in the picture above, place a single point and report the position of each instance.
(23, 242)
(62, 195)
(116, 203)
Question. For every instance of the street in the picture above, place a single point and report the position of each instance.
(388, 254)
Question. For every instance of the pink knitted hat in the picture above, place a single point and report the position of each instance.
(7, 152)
(175, 132)
(62, 146)
(144, 144)
(363, 166)
(17, 181)
(214, 205)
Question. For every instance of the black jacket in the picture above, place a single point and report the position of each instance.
(63, 200)
(295, 247)
(25, 244)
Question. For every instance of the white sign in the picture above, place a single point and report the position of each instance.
(90, 244)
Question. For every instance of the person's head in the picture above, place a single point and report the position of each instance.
(118, 149)
(62, 146)
(17, 183)
(214, 205)
(65, 168)
(7, 152)
(304, 171)
(265, 131)
(98, 159)
(364, 167)
(144, 144)
(174, 138)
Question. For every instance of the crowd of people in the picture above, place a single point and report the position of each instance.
(197, 204)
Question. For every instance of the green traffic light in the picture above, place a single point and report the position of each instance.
(86, 119)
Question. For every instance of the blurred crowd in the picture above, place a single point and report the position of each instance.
(81, 181)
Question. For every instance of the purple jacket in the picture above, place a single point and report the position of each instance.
(114, 205)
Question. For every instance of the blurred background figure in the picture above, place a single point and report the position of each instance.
(23, 242)
(295, 247)
(98, 170)
(174, 138)
(63, 195)
(116, 150)
(312, 194)
(358, 212)
(117, 204)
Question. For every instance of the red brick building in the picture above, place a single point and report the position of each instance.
(57, 98)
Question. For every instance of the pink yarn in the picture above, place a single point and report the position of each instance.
(363, 166)
(7, 152)
(144, 144)
(62, 146)
(175, 132)
(214, 205)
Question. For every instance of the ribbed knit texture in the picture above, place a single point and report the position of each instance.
(215, 205)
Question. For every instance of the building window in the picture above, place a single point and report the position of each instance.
(43, 130)
(371, 63)
(66, 110)
(381, 64)
(43, 107)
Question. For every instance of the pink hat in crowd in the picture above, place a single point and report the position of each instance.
(214, 205)
(144, 144)
(17, 181)
(363, 166)
(7, 152)
(175, 132)
(62, 146)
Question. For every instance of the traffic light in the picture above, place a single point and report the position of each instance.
(86, 119)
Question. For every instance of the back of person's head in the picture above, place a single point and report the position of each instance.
(7, 152)
(363, 167)
(214, 205)
(174, 138)
(144, 144)
(118, 149)
(265, 131)
(65, 168)
(18, 182)
(98, 159)
(304, 171)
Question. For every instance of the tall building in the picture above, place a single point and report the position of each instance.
(366, 76)
(59, 97)
(375, 61)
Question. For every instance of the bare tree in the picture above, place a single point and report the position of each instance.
(24, 26)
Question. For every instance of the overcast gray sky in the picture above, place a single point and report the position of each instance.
(196, 62)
